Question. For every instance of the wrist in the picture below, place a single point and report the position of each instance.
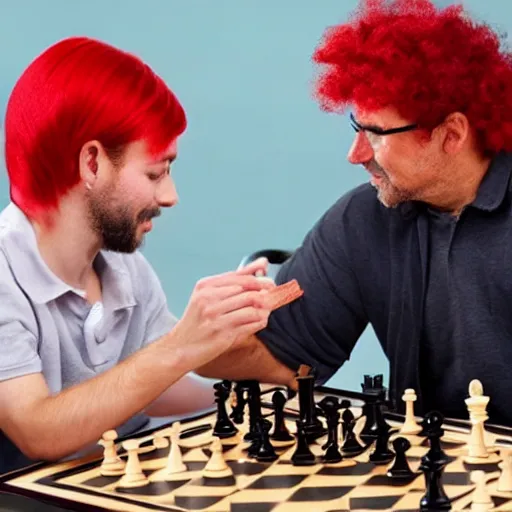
(177, 351)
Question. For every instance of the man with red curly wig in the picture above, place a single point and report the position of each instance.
(422, 253)
(86, 339)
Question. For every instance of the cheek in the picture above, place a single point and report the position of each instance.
(136, 190)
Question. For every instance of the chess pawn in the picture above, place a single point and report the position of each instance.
(133, 474)
(410, 425)
(216, 467)
(174, 461)
(112, 464)
(481, 500)
(505, 479)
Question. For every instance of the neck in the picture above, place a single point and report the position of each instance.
(458, 184)
(69, 247)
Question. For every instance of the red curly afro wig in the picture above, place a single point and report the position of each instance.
(425, 61)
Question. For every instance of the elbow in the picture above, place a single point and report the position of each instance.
(40, 451)
(40, 447)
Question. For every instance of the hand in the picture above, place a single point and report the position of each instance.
(222, 310)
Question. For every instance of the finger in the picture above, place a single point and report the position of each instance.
(218, 293)
(243, 317)
(236, 302)
(258, 267)
(248, 282)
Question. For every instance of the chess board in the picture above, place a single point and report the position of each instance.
(278, 486)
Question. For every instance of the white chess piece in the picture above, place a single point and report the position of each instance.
(133, 474)
(477, 403)
(410, 425)
(481, 500)
(112, 464)
(505, 479)
(216, 467)
(175, 462)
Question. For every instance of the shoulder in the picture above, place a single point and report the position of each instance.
(16, 304)
(12, 221)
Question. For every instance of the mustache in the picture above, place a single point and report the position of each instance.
(374, 167)
(148, 214)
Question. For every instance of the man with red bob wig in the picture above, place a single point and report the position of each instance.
(423, 252)
(87, 343)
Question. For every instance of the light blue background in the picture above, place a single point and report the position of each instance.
(259, 162)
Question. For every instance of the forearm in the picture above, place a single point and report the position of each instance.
(61, 424)
(190, 394)
(249, 360)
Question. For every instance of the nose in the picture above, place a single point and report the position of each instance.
(361, 150)
(166, 194)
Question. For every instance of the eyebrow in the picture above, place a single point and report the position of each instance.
(169, 158)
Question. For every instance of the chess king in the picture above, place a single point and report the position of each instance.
(421, 252)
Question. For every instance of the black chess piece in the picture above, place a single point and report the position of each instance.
(290, 393)
(350, 446)
(281, 432)
(313, 427)
(433, 464)
(375, 396)
(303, 456)
(266, 452)
(381, 453)
(373, 384)
(400, 469)
(345, 404)
(237, 414)
(254, 402)
(433, 427)
(224, 427)
(330, 407)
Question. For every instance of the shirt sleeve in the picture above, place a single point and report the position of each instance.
(321, 328)
(18, 329)
(159, 319)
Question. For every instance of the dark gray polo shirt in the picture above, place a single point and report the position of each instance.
(437, 291)
(48, 327)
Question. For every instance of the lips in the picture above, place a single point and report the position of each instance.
(147, 225)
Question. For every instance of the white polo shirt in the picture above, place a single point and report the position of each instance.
(47, 326)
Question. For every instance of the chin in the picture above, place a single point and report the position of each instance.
(390, 197)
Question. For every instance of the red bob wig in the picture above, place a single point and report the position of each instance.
(79, 90)
(425, 61)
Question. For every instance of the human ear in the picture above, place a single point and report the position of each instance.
(455, 132)
(92, 157)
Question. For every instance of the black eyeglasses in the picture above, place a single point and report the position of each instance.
(372, 130)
